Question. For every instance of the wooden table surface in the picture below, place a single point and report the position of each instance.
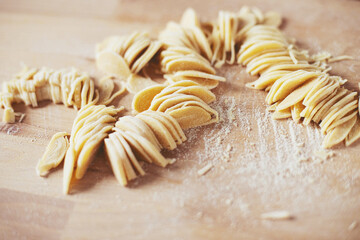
(263, 175)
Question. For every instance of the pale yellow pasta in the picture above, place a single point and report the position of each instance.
(30, 86)
(141, 138)
(339, 133)
(121, 55)
(191, 23)
(354, 133)
(171, 124)
(136, 83)
(126, 56)
(160, 130)
(298, 84)
(122, 159)
(91, 126)
(193, 116)
(142, 100)
(183, 97)
(188, 52)
(54, 153)
(129, 123)
(106, 90)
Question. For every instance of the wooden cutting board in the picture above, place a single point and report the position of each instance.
(263, 173)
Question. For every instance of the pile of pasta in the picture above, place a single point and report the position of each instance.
(187, 53)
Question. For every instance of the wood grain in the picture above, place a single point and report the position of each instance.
(263, 173)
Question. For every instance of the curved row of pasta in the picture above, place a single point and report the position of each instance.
(141, 137)
(70, 87)
(186, 101)
(299, 86)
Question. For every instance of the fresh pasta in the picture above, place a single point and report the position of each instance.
(141, 138)
(69, 87)
(298, 85)
(54, 153)
(126, 56)
(91, 126)
(187, 52)
(186, 101)
(30, 86)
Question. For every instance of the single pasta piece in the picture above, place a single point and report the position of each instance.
(54, 153)
(70, 87)
(91, 126)
(354, 133)
(106, 90)
(173, 60)
(207, 80)
(142, 100)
